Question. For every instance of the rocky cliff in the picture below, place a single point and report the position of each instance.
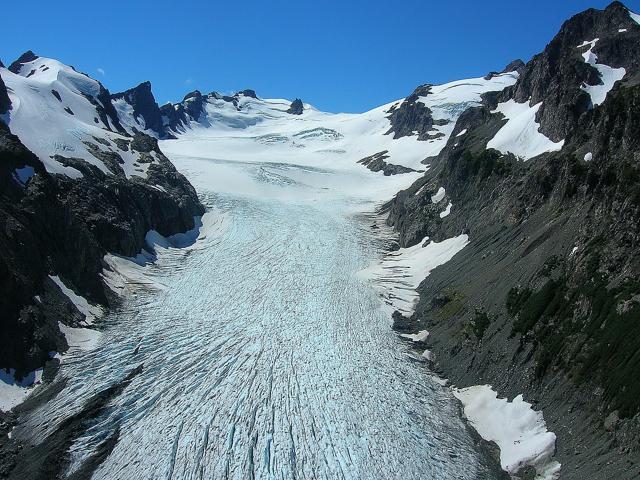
(144, 109)
(63, 224)
(545, 300)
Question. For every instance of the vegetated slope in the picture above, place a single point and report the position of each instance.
(545, 179)
(74, 186)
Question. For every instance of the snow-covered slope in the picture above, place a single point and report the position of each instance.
(60, 114)
(235, 127)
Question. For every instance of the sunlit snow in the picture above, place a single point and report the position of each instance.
(439, 196)
(521, 134)
(399, 273)
(13, 392)
(519, 431)
(52, 115)
(608, 75)
(446, 211)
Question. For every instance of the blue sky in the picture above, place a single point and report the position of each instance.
(338, 55)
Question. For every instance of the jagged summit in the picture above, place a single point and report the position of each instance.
(515, 66)
(138, 106)
(562, 77)
(26, 57)
(296, 108)
(248, 93)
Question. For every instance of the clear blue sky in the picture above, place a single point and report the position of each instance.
(348, 55)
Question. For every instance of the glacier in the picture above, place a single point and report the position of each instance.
(265, 348)
(265, 354)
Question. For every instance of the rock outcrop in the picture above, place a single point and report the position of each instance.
(412, 116)
(296, 108)
(376, 163)
(552, 268)
(59, 225)
(144, 107)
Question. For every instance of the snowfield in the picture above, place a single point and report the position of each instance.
(54, 112)
(521, 134)
(397, 275)
(13, 392)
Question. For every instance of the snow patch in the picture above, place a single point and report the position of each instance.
(399, 273)
(519, 431)
(608, 75)
(521, 134)
(13, 392)
(448, 101)
(462, 133)
(446, 211)
(80, 338)
(588, 157)
(421, 336)
(439, 195)
(126, 275)
(90, 312)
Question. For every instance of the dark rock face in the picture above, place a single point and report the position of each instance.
(412, 116)
(144, 106)
(194, 103)
(106, 111)
(5, 103)
(552, 267)
(555, 75)
(52, 224)
(296, 107)
(515, 66)
(248, 93)
(26, 57)
(173, 117)
(376, 163)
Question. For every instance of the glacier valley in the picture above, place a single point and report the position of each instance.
(265, 354)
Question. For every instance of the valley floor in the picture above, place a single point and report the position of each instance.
(264, 354)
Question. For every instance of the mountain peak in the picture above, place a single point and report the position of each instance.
(26, 57)
(514, 66)
(248, 93)
(144, 106)
(296, 108)
(194, 94)
(616, 5)
(146, 85)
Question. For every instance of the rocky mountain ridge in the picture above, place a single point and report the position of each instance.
(61, 213)
(143, 114)
(545, 298)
